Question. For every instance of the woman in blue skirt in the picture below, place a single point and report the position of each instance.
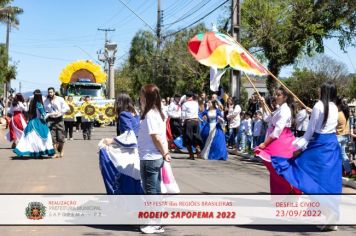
(317, 170)
(212, 134)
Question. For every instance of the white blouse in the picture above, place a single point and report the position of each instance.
(19, 107)
(174, 110)
(316, 122)
(234, 116)
(302, 120)
(279, 119)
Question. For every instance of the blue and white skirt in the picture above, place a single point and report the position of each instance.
(317, 170)
(120, 168)
(36, 140)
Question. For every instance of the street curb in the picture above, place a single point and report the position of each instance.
(345, 181)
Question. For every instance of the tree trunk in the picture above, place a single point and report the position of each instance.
(271, 83)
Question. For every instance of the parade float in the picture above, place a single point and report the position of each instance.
(84, 78)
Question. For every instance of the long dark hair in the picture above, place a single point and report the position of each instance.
(328, 94)
(124, 103)
(18, 98)
(289, 100)
(37, 97)
(342, 106)
(214, 104)
(152, 100)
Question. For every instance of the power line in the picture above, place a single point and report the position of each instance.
(43, 57)
(87, 54)
(196, 20)
(137, 15)
(352, 64)
(31, 82)
(196, 8)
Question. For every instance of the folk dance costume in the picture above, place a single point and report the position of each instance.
(17, 122)
(175, 122)
(191, 128)
(56, 107)
(318, 168)
(213, 137)
(281, 146)
(36, 140)
(120, 162)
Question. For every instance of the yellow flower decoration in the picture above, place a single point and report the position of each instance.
(73, 109)
(102, 119)
(67, 72)
(108, 111)
(89, 110)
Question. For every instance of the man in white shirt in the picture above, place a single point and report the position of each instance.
(56, 107)
(191, 129)
(175, 113)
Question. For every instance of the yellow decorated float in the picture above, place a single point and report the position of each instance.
(85, 78)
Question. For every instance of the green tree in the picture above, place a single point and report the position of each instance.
(311, 72)
(286, 29)
(140, 67)
(9, 13)
(171, 67)
(7, 72)
(352, 91)
(180, 72)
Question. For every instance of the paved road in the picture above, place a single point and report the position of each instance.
(78, 172)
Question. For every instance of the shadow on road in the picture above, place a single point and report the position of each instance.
(283, 228)
(17, 158)
(127, 228)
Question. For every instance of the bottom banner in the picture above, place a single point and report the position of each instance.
(177, 209)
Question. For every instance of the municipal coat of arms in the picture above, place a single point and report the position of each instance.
(35, 211)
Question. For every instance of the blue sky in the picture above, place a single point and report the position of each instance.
(53, 33)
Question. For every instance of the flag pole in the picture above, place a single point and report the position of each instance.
(272, 75)
(259, 95)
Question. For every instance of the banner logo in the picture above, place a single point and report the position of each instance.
(35, 211)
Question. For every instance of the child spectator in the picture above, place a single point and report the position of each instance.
(248, 132)
(257, 129)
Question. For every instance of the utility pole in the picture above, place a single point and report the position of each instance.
(106, 30)
(20, 86)
(158, 30)
(235, 76)
(158, 36)
(105, 59)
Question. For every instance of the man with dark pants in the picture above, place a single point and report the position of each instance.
(191, 130)
(175, 113)
(56, 107)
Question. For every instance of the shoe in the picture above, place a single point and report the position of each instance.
(151, 229)
(84, 137)
(89, 138)
(71, 139)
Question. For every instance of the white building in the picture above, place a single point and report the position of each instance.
(259, 84)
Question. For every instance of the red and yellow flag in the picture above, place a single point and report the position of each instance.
(219, 50)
